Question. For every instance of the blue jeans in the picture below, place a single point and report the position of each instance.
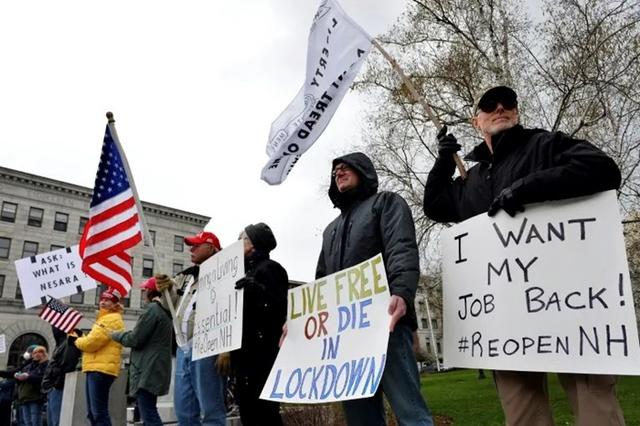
(400, 384)
(97, 391)
(30, 414)
(198, 391)
(147, 408)
(54, 404)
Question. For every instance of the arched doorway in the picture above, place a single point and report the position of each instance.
(20, 345)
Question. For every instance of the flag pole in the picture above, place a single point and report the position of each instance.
(145, 230)
(416, 97)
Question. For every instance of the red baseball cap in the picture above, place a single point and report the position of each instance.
(201, 238)
(111, 294)
(149, 284)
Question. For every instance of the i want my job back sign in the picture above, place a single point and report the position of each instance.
(338, 330)
(548, 290)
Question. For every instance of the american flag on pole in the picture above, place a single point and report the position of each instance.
(60, 315)
(114, 221)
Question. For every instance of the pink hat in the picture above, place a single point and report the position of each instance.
(149, 284)
(201, 238)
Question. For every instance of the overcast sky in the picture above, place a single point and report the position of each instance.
(194, 87)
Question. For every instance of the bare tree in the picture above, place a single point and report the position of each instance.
(576, 71)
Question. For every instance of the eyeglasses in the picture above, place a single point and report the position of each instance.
(341, 168)
(490, 105)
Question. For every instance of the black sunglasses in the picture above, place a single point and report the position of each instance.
(490, 104)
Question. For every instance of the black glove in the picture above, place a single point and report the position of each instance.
(245, 282)
(507, 201)
(249, 284)
(447, 143)
(71, 340)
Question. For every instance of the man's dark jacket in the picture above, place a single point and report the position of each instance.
(537, 165)
(372, 222)
(264, 314)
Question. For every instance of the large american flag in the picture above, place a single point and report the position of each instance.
(60, 315)
(113, 227)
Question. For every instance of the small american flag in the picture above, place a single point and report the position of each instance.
(114, 223)
(60, 315)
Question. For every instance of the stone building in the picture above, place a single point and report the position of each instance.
(37, 215)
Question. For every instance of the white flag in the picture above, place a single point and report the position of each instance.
(337, 49)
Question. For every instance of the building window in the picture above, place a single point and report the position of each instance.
(1, 284)
(18, 291)
(153, 238)
(61, 222)
(424, 322)
(434, 324)
(56, 247)
(29, 249)
(126, 301)
(83, 222)
(5, 245)
(9, 211)
(147, 268)
(428, 345)
(178, 243)
(77, 298)
(438, 347)
(35, 217)
(99, 290)
(177, 268)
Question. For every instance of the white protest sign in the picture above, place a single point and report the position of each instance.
(338, 330)
(218, 326)
(3, 344)
(337, 49)
(57, 274)
(548, 290)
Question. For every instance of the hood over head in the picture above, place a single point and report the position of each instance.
(368, 180)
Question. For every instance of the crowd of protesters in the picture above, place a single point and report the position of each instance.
(506, 177)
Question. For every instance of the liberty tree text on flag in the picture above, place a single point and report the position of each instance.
(337, 48)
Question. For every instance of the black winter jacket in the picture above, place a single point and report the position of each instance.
(536, 164)
(372, 222)
(264, 314)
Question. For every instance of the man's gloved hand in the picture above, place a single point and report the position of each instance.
(447, 143)
(245, 282)
(71, 340)
(507, 201)
(163, 282)
(223, 363)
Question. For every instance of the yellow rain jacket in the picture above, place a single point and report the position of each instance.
(99, 352)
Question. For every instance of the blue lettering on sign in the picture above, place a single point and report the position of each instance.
(354, 377)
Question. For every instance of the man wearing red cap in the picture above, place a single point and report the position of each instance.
(517, 166)
(199, 388)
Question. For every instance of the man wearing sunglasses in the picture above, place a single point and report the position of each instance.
(517, 166)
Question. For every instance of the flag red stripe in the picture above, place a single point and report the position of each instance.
(112, 211)
(111, 251)
(114, 230)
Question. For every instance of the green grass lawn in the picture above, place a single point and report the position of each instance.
(461, 398)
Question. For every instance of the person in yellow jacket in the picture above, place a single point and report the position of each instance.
(101, 357)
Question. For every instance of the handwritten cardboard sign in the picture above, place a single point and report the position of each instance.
(548, 290)
(338, 330)
(218, 323)
(57, 274)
